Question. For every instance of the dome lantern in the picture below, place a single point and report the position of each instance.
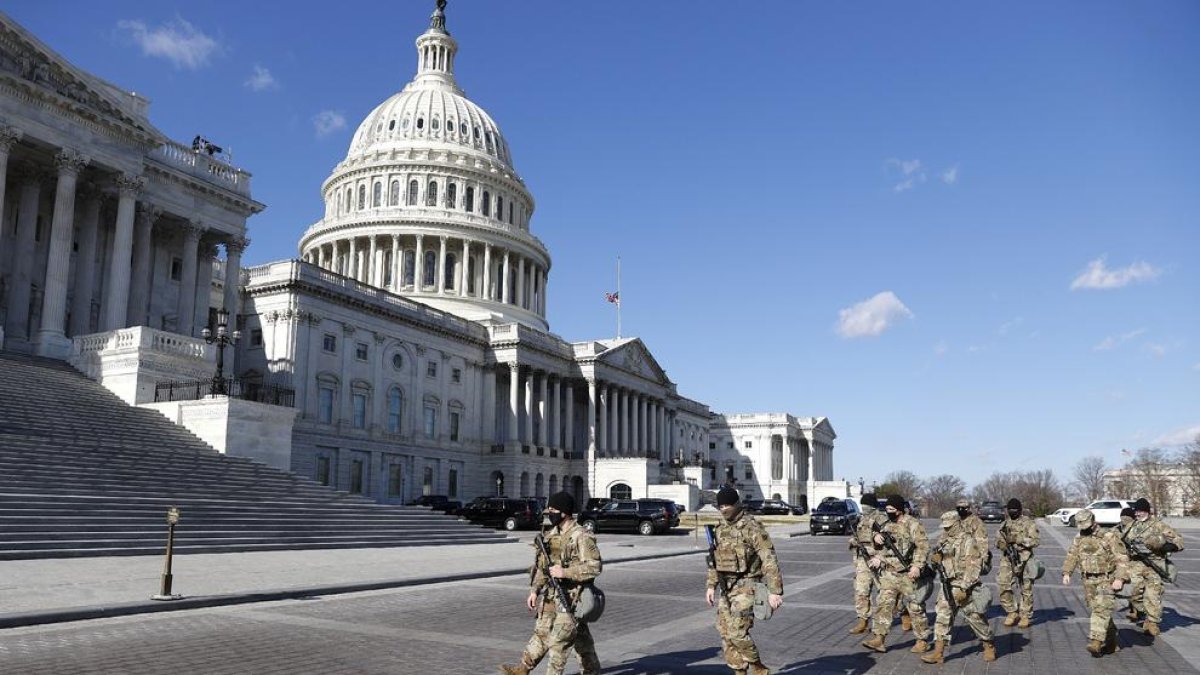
(436, 51)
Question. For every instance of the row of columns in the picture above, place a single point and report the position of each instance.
(554, 409)
(128, 275)
(504, 276)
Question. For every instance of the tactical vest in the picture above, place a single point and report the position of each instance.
(1094, 556)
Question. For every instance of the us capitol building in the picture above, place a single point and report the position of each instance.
(412, 327)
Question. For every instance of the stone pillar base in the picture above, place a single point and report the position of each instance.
(54, 346)
(131, 361)
(237, 428)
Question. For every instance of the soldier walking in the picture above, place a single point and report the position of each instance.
(903, 549)
(973, 525)
(1016, 540)
(1150, 541)
(959, 559)
(744, 556)
(1104, 565)
(574, 562)
(863, 547)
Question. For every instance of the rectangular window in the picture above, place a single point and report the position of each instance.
(749, 471)
(360, 351)
(329, 344)
(395, 480)
(176, 269)
(360, 410)
(712, 446)
(325, 405)
(356, 476)
(256, 339)
(427, 481)
(729, 444)
(452, 488)
(323, 470)
(456, 375)
(430, 421)
(431, 369)
(454, 426)
(749, 444)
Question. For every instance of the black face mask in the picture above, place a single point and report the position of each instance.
(1014, 514)
(554, 518)
(963, 513)
(1086, 531)
(893, 515)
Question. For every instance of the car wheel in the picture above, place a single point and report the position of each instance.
(510, 524)
(1071, 521)
(646, 527)
(812, 533)
(589, 525)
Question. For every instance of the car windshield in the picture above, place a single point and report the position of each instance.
(832, 507)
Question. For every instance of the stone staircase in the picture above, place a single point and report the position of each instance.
(84, 474)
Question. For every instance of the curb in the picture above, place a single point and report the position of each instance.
(201, 601)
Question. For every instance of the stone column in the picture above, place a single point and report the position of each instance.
(352, 260)
(419, 265)
(528, 431)
(398, 266)
(592, 420)
(464, 267)
(85, 265)
(652, 427)
(620, 424)
(487, 273)
(117, 300)
(513, 400)
(321, 260)
(440, 281)
(569, 420)
(614, 430)
(372, 264)
(16, 323)
(504, 281)
(556, 414)
(630, 436)
(643, 424)
(8, 138)
(204, 275)
(143, 249)
(187, 290)
(52, 337)
(233, 276)
(489, 405)
(543, 409)
(520, 281)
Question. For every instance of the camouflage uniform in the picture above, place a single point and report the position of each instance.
(894, 582)
(1147, 592)
(1101, 558)
(864, 577)
(744, 555)
(557, 632)
(961, 559)
(1021, 533)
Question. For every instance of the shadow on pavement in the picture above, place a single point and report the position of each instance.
(851, 664)
(671, 662)
(1173, 619)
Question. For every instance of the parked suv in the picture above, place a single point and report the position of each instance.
(777, 507)
(646, 516)
(992, 512)
(1107, 511)
(835, 515)
(507, 512)
(438, 503)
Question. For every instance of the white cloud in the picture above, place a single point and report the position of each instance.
(1158, 350)
(261, 79)
(1177, 437)
(176, 41)
(909, 171)
(328, 121)
(1098, 276)
(950, 176)
(872, 316)
(1115, 340)
(941, 348)
(1009, 325)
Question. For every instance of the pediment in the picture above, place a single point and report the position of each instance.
(632, 356)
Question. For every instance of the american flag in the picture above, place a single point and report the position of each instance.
(614, 298)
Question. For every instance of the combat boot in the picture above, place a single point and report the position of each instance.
(1011, 619)
(757, 668)
(1095, 648)
(905, 622)
(875, 644)
(1133, 615)
(921, 647)
(859, 628)
(514, 670)
(989, 650)
(1150, 628)
(938, 655)
(1024, 622)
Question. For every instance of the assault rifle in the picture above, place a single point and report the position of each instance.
(1014, 556)
(560, 593)
(947, 588)
(1142, 554)
(710, 533)
(866, 555)
(890, 542)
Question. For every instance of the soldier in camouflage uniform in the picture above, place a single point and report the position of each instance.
(575, 561)
(1104, 564)
(973, 525)
(1020, 533)
(962, 559)
(744, 556)
(898, 578)
(1122, 527)
(1154, 539)
(862, 545)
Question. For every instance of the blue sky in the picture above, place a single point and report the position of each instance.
(967, 234)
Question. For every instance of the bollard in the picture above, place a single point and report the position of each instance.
(696, 529)
(165, 592)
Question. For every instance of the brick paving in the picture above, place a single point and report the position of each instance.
(656, 622)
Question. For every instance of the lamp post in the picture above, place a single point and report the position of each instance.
(222, 338)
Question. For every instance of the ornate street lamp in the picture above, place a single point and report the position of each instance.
(222, 338)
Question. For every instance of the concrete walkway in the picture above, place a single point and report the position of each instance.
(71, 589)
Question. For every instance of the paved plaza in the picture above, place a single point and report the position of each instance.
(656, 622)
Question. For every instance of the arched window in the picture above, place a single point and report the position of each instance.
(539, 486)
(469, 206)
(394, 194)
(429, 270)
(487, 203)
(471, 275)
(349, 199)
(524, 484)
(377, 195)
(552, 487)
(339, 202)
(420, 122)
(499, 207)
(431, 194)
(434, 123)
(450, 126)
(451, 195)
(395, 410)
(451, 266)
(510, 212)
(410, 266)
(620, 491)
(362, 197)
(392, 125)
(412, 192)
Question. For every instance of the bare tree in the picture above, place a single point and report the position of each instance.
(1149, 477)
(1089, 478)
(904, 483)
(1039, 491)
(941, 492)
(1189, 462)
(997, 487)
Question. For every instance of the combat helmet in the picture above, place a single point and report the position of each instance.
(1085, 519)
(950, 519)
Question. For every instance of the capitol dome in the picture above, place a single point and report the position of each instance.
(427, 203)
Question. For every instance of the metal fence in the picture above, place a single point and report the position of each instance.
(233, 387)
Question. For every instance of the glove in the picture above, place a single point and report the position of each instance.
(1001, 544)
(960, 596)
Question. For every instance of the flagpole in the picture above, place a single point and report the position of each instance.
(618, 297)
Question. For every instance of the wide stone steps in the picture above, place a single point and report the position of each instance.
(84, 474)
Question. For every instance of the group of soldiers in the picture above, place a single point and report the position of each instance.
(892, 555)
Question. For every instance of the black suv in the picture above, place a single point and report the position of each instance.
(835, 515)
(646, 516)
(437, 503)
(992, 512)
(507, 512)
(777, 507)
